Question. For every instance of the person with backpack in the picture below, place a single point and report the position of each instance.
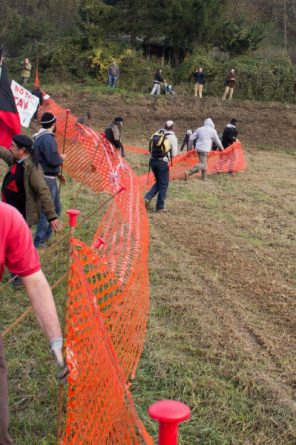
(113, 134)
(158, 79)
(163, 147)
(203, 139)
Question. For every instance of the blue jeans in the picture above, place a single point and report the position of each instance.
(43, 230)
(160, 170)
(112, 81)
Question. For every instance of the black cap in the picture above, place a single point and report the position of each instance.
(233, 121)
(48, 119)
(22, 140)
(118, 119)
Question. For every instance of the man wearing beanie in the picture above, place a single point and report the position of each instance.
(159, 164)
(46, 151)
(113, 134)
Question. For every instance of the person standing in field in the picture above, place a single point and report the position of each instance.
(158, 80)
(199, 79)
(46, 150)
(18, 254)
(113, 74)
(26, 71)
(229, 85)
(204, 136)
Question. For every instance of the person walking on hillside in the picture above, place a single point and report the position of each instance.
(113, 134)
(18, 254)
(158, 80)
(46, 150)
(159, 164)
(229, 85)
(26, 71)
(229, 133)
(199, 80)
(204, 136)
(113, 74)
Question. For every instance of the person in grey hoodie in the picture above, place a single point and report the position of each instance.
(202, 139)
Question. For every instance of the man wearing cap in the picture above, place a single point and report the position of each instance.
(46, 150)
(113, 134)
(229, 133)
(18, 254)
(160, 169)
(24, 186)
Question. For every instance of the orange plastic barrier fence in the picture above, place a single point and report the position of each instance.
(100, 409)
(232, 159)
(108, 294)
(108, 297)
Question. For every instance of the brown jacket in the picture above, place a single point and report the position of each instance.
(37, 193)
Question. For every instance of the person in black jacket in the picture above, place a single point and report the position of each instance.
(230, 133)
(199, 80)
(113, 134)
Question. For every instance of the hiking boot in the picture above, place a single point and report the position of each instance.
(147, 204)
(203, 175)
(162, 210)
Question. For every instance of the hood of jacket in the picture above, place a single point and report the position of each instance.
(41, 132)
(209, 123)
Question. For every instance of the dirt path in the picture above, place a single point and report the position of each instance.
(260, 124)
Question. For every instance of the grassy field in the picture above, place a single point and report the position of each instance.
(221, 335)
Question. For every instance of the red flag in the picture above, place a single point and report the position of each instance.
(9, 117)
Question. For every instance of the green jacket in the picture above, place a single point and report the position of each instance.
(37, 193)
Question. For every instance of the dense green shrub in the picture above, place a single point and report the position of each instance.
(272, 78)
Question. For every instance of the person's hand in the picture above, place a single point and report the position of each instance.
(56, 225)
(63, 156)
(56, 346)
(62, 179)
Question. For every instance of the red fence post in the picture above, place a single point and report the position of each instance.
(169, 413)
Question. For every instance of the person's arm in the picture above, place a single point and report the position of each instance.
(116, 136)
(217, 141)
(174, 145)
(192, 138)
(41, 297)
(6, 156)
(40, 188)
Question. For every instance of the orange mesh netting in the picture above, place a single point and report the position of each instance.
(100, 409)
(232, 159)
(108, 297)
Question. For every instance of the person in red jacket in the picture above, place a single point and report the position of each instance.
(19, 255)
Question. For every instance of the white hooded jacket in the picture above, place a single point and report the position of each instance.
(205, 136)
